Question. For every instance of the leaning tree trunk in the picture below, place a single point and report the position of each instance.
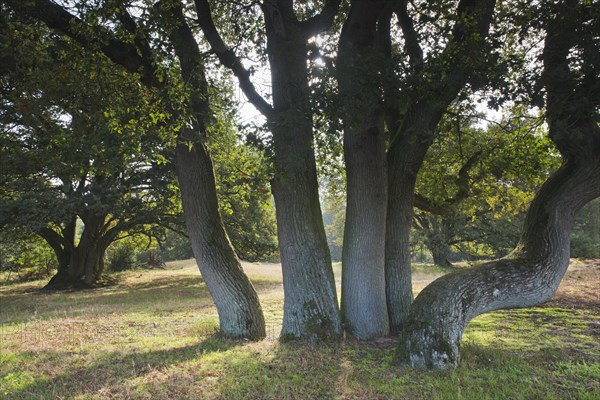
(238, 306)
(364, 306)
(240, 313)
(310, 307)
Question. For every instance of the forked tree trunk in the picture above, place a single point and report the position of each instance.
(413, 130)
(364, 306)
(79, 266)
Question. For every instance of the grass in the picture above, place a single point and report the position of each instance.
(153, 336)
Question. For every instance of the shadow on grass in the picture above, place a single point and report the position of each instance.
(163, 294)
(108, 369)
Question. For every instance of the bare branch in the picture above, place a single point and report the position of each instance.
(229, 59)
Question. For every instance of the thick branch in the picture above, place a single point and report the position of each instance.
(228, 58)
(192, 66)
(322, 21)
(425, 204)
(56, 17)
(54, 239)
(411, 39)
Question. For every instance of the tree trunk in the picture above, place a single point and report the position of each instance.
(240, 313)
(436, 240)
(310, 306)
(403, 166)
(364, 307)
(238, 306)
(531, 274)
(527, 277)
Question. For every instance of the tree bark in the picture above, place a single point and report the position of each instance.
(310, 306)
(364, 307)
(79, 266)
(238, 306)
(436, 240)
(412, 131)
(240, 313)
(531, 274)
(402, 175)
(528, 276)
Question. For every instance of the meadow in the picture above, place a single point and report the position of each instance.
(153, 335)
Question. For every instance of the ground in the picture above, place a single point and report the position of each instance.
(152, 336)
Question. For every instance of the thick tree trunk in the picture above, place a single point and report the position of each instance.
(404, 161)
(240, 313)
(79, 266)
(528, 276)
(363, 258)
(310, 307)
(238, 306)
(364, 307)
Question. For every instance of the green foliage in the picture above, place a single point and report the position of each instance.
(121, 256)
(24, 256)
(245, 202)
(483, 179)
(585, 237)
(175, 247)
(89, 144)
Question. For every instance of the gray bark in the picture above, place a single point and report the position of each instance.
(528, 276)
(412, 132)
(531, 274)
(402, 175)
(364, 307)
(240, 313)
(310, 306)
(238, 306)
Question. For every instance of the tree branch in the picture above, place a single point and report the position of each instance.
(411, 39)
(228, 58)
(58, 18)
(322, 21)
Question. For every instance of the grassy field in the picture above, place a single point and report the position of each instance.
(152, 336)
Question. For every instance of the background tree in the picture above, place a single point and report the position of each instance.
(476, 183)
(73, 152)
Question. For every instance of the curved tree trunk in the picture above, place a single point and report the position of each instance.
(364, 306)
(240, 313)
(310, 306)
(530, 275)
(238, 306)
